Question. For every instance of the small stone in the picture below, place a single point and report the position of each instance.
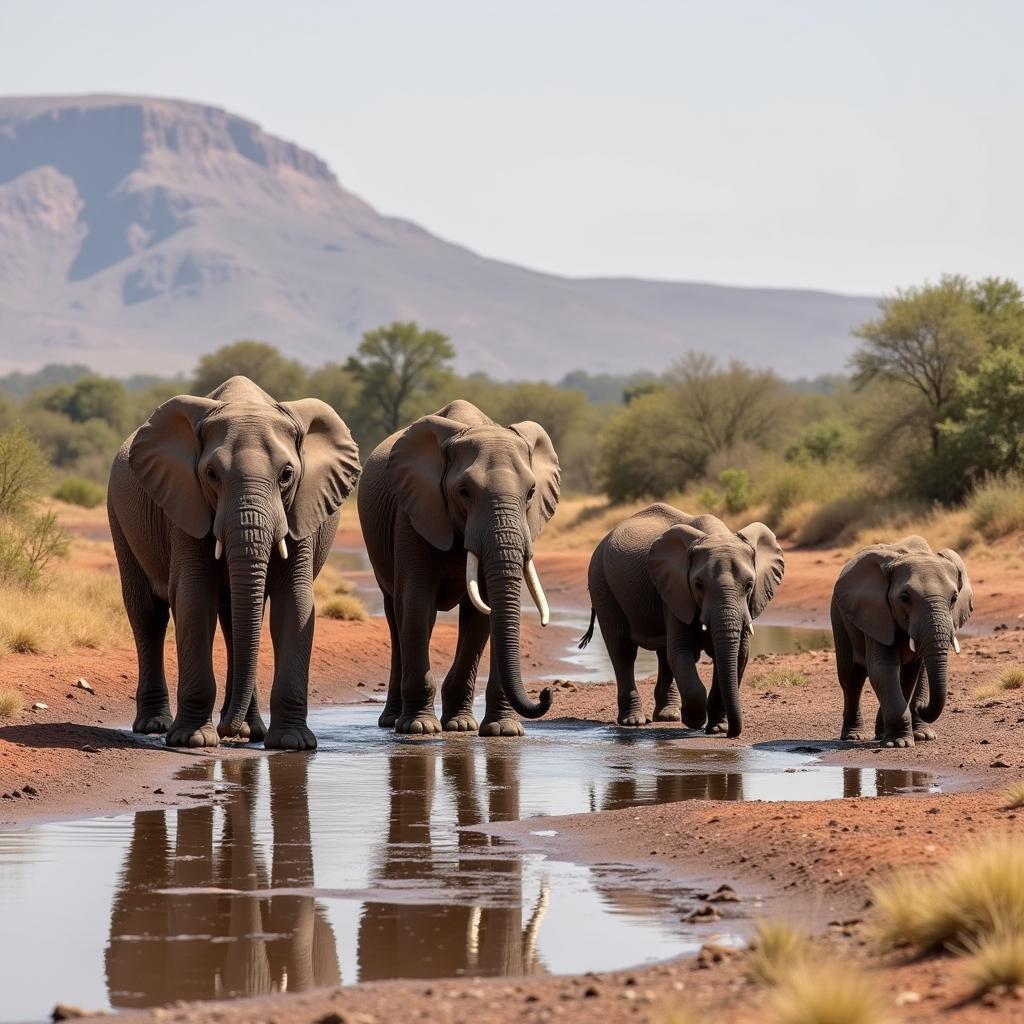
(89, 749)
(591, 992)
(999, 763)
(332, 1018)
(908, 998)
(30, 790)
(82, 684)
(62, 1011)
(157, 791)
(40, 706)
(702, 915)
(723, 894)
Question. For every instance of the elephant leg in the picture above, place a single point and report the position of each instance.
(852, 677)
(459, 685)
(912, 678)
(893, 711)
(253, 728)
(500, 718)
(667, 704)
(393, 704)
(416, 614)
(683, 662)
(148, 616)
(194, 602)
(292, 620)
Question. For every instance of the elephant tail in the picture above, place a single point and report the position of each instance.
(589, 635)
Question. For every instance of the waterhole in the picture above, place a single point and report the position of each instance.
(361, 862)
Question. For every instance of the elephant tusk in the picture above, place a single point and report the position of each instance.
(218, 550)
(282, 548)
(703, 627)
(537, 592)
(913, 646)
(750, 628)
(956, 644)
(473, 583)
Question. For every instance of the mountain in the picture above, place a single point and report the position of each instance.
(136, 234)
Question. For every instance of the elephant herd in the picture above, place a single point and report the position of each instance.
(218, 505)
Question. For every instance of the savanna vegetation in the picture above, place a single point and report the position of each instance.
(929, 418)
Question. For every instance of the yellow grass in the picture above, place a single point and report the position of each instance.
(972, 896)
(778, 948)
(76, 608)
(828, 993)
(1014, 797)
(997, 506)
(343, 606)
(10, 703)
(995, 962)
(778, 678)
(1009, 679)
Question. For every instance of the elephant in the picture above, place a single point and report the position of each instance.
(239, 475)
(450, 509)
(681, 585)
(896, 610)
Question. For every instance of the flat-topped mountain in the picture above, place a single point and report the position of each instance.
(136, 234)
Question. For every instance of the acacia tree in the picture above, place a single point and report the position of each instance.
(923, 340)
(395, 366)
(279, 376)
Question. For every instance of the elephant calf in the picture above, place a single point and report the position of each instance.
(679, 585)
(259, 482)
(896, 610)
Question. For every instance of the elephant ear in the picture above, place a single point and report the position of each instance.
(862, 593)
(769, 565)
(416, 468)
(329, 465)
(163, 456)
(668, 564)
(546, 471)
(965, 598)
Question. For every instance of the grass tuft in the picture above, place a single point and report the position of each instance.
(344, 607)
(996, 962)
(829, 993)
(1011, 678)
(778, 948)
(974, 895)
(778, 679)
(997, 506)
(10, 703)
(1014, 797)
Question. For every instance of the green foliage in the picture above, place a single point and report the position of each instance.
(76, 490)
(90, 398)
(737, 490)
(20, 384)
(283, 378)
(338, 387)
(824, 441)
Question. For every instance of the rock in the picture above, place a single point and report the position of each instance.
(999, 763)
(30, 790)
(715, 953)
(40, 706)
(908, 998)
(89, 749)
(62, 1011)
(157, 791)
(82, 684)
(723, 894)
(702, 915)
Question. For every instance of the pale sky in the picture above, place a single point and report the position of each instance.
(848, 146)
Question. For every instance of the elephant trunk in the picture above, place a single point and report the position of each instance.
(504, 558)
(248, 542)
(727, 638)
(934, 646)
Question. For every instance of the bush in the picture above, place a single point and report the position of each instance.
(76, 490)
(344, 607)
(738, 493)
(997, 506)
(10, 703)
(996, 962)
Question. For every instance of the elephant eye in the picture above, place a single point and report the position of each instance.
(698, 585)
(531, 492)
(211, 474)
(287, 475)
(952, 601)
(463, 491)
(905, 597)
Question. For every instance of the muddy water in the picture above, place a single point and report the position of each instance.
(351, 865)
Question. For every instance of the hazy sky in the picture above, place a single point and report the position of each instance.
(853, 146)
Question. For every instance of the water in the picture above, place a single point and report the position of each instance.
(351, 865)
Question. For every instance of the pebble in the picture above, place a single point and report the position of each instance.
(40, 706)
(82, 684)
(999, 763)
(89, 749)
(63, 1011)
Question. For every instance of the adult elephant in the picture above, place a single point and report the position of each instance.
(259, 482)
(681, 585)
(450, 508)
(896, 611)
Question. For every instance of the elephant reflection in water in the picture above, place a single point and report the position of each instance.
(671, 787)
(183, 926)
(478, 929)
(882, 781)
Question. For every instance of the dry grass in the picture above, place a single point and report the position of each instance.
(973, 896)
(828, 993)
(778, 947)
(995, 962)
(778, 679)
(1009, 679)
(77, 608)
(343, 606)
(1013, 798)
(997, 506)
(10, 703)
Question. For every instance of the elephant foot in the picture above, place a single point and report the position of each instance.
(720, 728)
(155, 724)
(633, 720)
(423, 724)
(853, 735)
(289, 737)
(462, 722)
(502, 727)
(898, 741)
(185, 734)
(671, 713)
(252, 730)
(922, 732)
(389, 716)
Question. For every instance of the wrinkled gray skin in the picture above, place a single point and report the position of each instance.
(448, 484)
(241, 469)
(887, 596)
(682, 585)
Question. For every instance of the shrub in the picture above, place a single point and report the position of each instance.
(1011, 678)
(738, 493)
(828, 993)
(1014, 797)
(10, 703)
(996, 962)
(343, 606)
(76, 490)
(997, 506)
(974, 895)
(778, 947)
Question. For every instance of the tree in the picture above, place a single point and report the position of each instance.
(283, 378)
(91, 398)
(924, 338)
(396, 365)
(999, 302)
(337, 386)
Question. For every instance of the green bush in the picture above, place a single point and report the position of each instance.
(738, 492)
(76, 490)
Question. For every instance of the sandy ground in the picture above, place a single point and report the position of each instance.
(813, 861)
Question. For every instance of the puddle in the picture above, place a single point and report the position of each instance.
(350, 866)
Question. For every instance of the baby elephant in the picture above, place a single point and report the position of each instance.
(896, 609)
(682, 585)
